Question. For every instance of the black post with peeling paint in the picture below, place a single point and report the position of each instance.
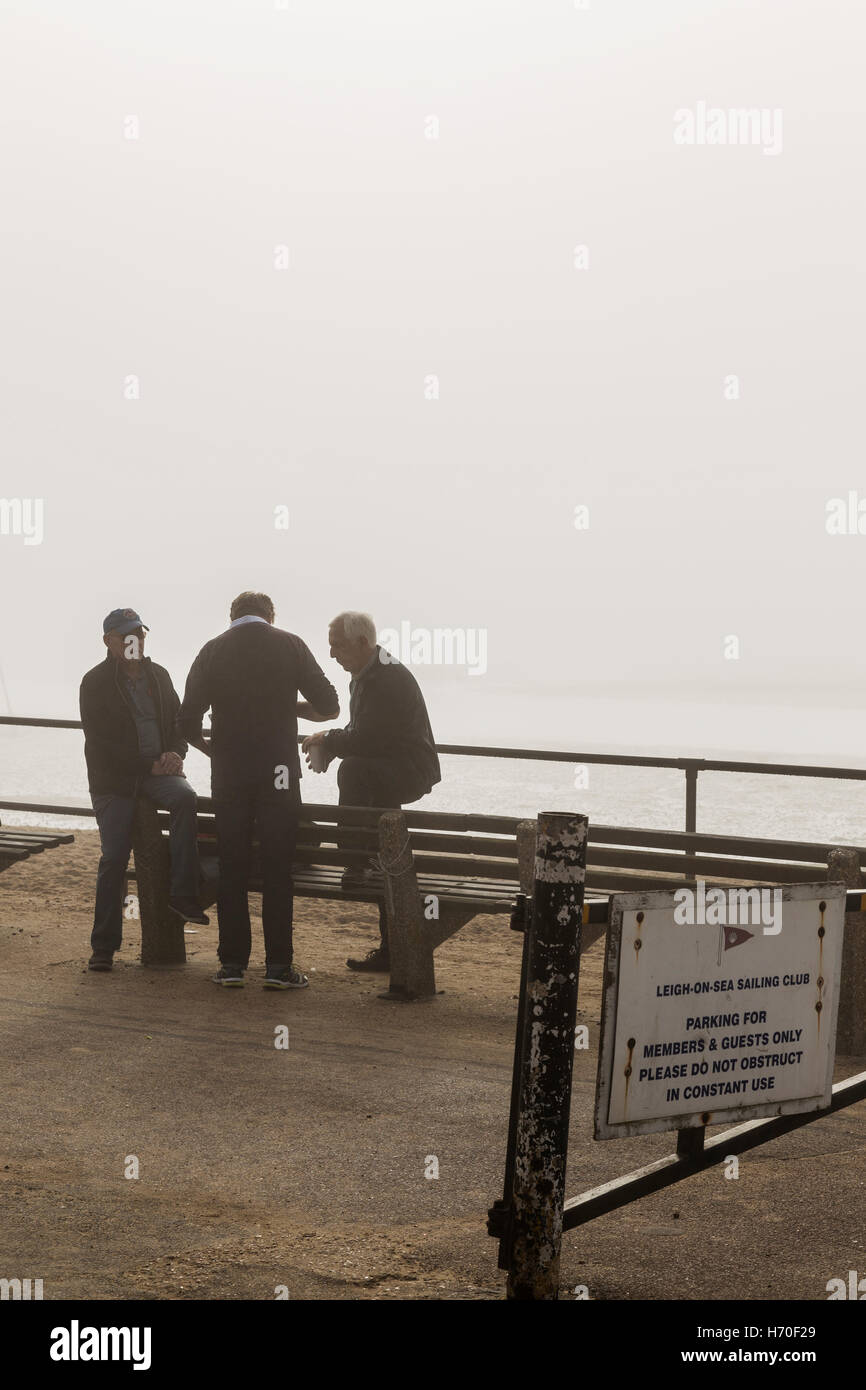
(546, 1057)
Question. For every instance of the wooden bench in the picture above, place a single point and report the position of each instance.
(443, 869)
(17, 844)
(436, 871)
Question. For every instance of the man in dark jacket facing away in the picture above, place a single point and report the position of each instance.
(133, 748)
(388, 754)
(249, 677)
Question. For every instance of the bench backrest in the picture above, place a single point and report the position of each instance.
(619, 858)
(442, 843)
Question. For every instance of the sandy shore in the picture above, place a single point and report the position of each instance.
(305, 1168)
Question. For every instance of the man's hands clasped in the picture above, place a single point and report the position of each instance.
(168, 765)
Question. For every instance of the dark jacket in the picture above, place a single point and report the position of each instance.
(249, 678)
(388, 719)
(114, 763)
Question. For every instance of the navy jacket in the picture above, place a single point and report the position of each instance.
(388, 719)
(249, 678)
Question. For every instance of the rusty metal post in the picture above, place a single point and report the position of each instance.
(547, 1054)
(162, 940)
(843, 866)
(411, 952)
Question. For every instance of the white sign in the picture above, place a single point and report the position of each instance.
(719, 1004)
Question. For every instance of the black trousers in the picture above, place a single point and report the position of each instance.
(241, 813)
(382, 782)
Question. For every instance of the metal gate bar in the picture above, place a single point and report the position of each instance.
(673, 1168)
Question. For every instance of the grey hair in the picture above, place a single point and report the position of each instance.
(356, 625)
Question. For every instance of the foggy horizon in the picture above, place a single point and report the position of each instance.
(432, 297)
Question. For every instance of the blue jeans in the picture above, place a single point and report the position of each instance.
(114, 815)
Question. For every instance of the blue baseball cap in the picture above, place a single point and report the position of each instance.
(124, 621)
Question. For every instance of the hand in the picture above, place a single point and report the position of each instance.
(306, 711)
(316, 741)
(169, 765)
(311, 739)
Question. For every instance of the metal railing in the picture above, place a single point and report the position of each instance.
(690, 767)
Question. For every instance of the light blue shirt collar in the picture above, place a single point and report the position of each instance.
(247, 618)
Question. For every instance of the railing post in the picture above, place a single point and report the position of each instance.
(843, 866)
(546, 1057)
(691, 770)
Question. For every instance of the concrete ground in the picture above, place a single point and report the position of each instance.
(304, 1167)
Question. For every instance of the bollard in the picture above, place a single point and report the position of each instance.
(843, 866)
(162, 940)
(547, 1054)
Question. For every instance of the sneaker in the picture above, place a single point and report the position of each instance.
(101, 960)
(229, 975)
(375, 960)
(284, 977)
(189, 910)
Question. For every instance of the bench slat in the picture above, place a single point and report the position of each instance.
(706, 865)
(318, 884)
(46, 837)
(610, 881)
(461, 865)
(796, 850)
(367, 838)
(421, 820)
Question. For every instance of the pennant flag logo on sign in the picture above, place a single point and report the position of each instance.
(735, 936)
(731, 936)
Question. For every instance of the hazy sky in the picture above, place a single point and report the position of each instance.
(418, 251)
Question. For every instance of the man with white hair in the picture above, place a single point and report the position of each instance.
(388, 754)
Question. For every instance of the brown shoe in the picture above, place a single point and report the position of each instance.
(189, 910)
(375, 960)
(100, 960)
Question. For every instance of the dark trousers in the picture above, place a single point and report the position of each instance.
(382, 782)
(114, 816)
(242, 813)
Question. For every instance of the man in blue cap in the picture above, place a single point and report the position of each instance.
(133, 748)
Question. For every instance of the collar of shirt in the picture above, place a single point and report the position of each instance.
(247, 618)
